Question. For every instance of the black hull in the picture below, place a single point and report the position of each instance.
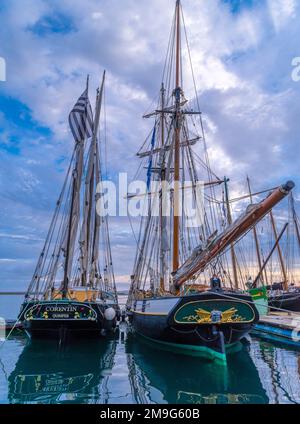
(72, 327)
(63, 329)
(211, 339)
(288, 301)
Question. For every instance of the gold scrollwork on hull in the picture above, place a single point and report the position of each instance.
(202, 316)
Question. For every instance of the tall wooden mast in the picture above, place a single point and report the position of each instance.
(255, 236)
(73, 220)
(229, 219)
(87, 231)
(282, 264)
(177, 93)
(295, 219)
(162, 194)
(269, 255)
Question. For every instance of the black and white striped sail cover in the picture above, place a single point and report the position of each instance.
(81, 118)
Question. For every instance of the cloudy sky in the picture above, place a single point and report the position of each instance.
(242, 54)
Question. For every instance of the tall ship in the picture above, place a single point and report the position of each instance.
(73, 290)
(184, 292)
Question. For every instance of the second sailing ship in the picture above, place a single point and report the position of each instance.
(73, 289)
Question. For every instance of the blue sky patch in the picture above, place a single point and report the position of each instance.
(56, 23)
(19, 121)
(237, 6)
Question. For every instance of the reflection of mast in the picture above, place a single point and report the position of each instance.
(137, 381)
(229, 219)
(269, 358)
(53, 378)
(107, 363)
(282, 264)
(177, 94)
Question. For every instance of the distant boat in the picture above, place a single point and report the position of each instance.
(288, 300)
(73, 291)
(286, 295)
(176, 297)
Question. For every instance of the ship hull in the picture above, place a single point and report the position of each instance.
(289, 301)
(65, 319)
(184, 323)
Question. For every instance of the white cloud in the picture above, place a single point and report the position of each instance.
(282, 12)
(97, 15)
(242, 70)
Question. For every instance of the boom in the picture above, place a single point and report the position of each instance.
(253, 214)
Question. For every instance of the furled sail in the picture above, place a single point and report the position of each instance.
(74, 208)
(89, 221)
(81, 124)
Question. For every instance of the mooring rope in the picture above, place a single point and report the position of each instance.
(262, 304)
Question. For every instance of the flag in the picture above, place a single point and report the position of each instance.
(81, 118)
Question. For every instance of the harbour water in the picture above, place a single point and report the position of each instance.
(127, 369)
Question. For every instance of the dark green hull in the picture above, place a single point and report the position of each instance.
(187, 323)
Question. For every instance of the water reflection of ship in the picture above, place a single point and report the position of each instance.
(76, 373)
(164, 377)
(279, 370)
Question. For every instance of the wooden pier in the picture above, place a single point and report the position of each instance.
(279, 327)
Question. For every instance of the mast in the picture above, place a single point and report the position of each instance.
(282, 264)
(87, 231)
(74, 211)
(95, 246)
(177, 93)
(238, 229)
(295, 219)
(229, 219)
(255, 236)
(67, 258)
(162, 195)
(269, 255)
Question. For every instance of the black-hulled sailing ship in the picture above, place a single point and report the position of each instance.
(73, 291)
(176, 296)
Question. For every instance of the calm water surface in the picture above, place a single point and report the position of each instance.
(126, 369)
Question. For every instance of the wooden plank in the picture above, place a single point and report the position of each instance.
(288, 322)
